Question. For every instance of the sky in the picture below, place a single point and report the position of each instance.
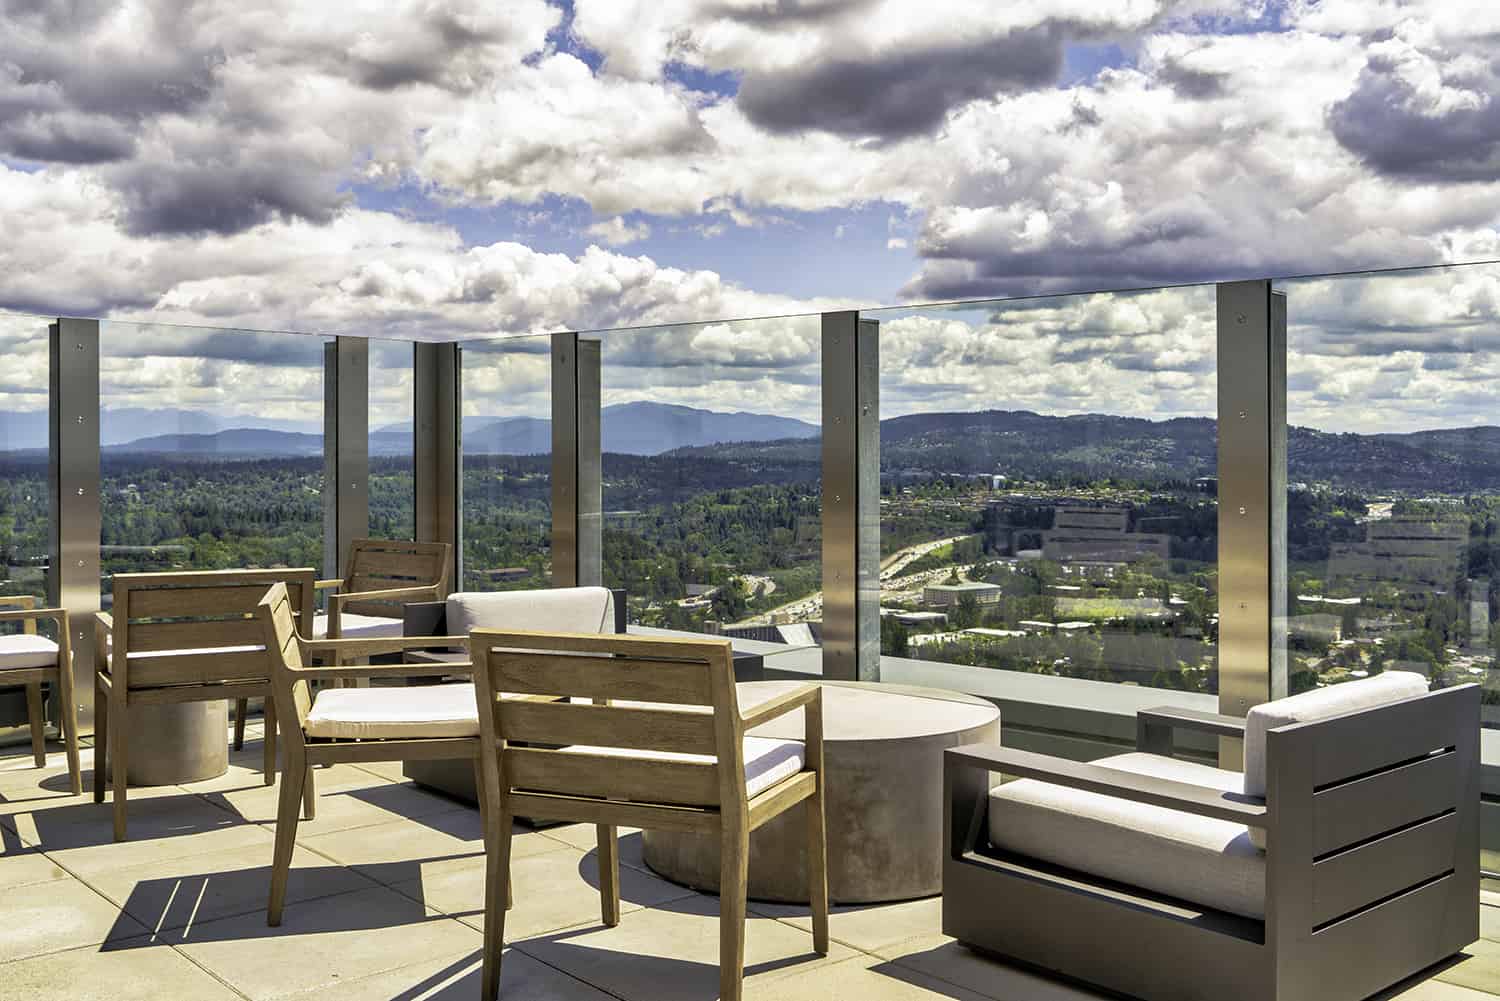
(404, 169)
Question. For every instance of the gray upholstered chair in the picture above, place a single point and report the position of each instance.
(1344, 859)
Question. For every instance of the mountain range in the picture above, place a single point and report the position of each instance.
(1017, 443)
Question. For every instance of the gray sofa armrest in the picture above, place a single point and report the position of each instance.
(1153, 727)
(1199, 800)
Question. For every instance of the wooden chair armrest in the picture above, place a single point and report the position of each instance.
(420, 591)
(1198, 800)
(381, 644)
(1154, 727)
(781, 705)
(462, 668)
(324, 585)
(58, 614)
(17, 601)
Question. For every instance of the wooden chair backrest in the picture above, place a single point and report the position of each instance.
(277, 615)
(197, 627)
(383, 565)
(21, 601)
(1373, 803)
(695, 711)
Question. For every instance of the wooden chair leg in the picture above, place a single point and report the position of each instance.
(241, 710)
(69, 725)
(286, 839)
(734, 873)
(496, 889)
(101, 741)
(36, 718)
(817, 869)
(309, 794)
(118, 739)
(609, 874)
(268, 759)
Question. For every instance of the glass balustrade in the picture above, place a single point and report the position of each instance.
(393, 499)
(24, 441)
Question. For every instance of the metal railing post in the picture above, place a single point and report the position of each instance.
(1252, 500)
(74, 487)
(437, 462)
(851, 497)
(577, 500)
(346, 448)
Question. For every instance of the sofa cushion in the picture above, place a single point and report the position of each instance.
(550, 610)
(414, 711)
(23, 650)
(359, 627)
(767, 760)
(1320, 703)
(1208, 862)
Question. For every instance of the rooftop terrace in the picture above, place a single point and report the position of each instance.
(386, 898)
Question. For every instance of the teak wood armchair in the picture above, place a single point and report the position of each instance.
(672, 755)
(1369, 871)
(32, 660)
(380, 577)
(182, 637)
(341, 725)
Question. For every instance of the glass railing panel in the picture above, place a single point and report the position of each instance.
(1393, 487)
(25, 514)
(393, 498)
(712, 475)
(507, 463)
(1048, 480)
(211, 449)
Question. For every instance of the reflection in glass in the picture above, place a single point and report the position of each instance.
(24, 512)
(711, 475)
(1048, 486)
(507, 464)
(212, 449)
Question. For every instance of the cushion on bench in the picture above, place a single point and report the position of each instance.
(26, 650)
(1208, 862)
(1320, 703)
(359, 627)
(553, 610)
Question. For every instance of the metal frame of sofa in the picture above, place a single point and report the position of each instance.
(1372, 862)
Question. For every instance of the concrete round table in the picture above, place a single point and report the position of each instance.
(173, 744)
(883, 751)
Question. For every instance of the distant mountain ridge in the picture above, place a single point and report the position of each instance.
(1017, 443)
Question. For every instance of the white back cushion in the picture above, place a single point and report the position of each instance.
(1320, 703)
(553, 610)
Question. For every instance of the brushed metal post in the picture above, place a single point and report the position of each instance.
(346, 448)
(851, 497)
(577, 521)
(1252, 500)
(436, 463)
(73, 580)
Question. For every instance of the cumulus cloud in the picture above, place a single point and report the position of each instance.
(617, 232)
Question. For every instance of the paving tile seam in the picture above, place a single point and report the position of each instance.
(518, 947)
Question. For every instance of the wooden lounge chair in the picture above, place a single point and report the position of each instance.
(381, 576)
(352, 724)
(181, 637)
(30, 659)
(685, 764)
(1343, 860)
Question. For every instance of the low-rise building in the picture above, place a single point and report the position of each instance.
(949, 595)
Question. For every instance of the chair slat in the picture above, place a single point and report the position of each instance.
(189, 602)
(197, 669)
(1353, 745)
(202, 634)
(1361, 876)
(679, 731)
(525, 673)
(1382, 802)
(646, 780)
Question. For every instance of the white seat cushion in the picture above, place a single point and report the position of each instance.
(359, 627)
(1320, 703)
(767, 761)
(550, 610)
(1208, 862)
(23, 650)
(415, 711)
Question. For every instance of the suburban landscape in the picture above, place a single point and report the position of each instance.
(1082, 546)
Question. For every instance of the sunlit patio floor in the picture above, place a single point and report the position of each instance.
(385, 903)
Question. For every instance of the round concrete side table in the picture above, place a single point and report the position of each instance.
(883, 753)
(173, 744)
